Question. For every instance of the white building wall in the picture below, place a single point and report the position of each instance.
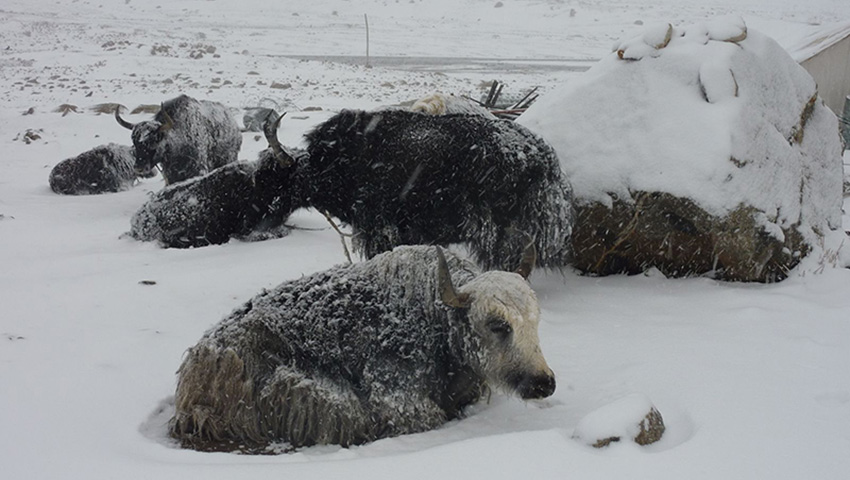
(831, 70)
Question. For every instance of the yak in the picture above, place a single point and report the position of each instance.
(400, 177)
(187, 138)
(106, 168)
(246, 200)
(397, 344)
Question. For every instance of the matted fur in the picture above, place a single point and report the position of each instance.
(357, 353)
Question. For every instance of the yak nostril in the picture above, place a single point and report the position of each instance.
(540, 386)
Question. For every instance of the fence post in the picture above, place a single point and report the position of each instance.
(366, 17)
(845, 122)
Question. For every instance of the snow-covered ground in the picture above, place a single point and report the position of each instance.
(751, 379)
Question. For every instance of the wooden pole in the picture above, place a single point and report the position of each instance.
(366, 17)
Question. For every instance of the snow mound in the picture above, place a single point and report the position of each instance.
(631, 417)
(717, 115)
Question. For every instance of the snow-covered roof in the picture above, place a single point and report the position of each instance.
(818, 41)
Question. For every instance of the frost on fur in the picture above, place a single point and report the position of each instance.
(360, 352)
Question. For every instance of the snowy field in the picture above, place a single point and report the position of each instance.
(752, 380)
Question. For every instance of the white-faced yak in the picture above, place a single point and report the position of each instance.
(394, 345)
(107, 168)
(186, 138)
(403, 178)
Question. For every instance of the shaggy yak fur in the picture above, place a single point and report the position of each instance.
(186, 138)
(399, 177)
(375, 349)
(107, 168)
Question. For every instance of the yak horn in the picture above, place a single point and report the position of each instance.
(529, 260)
(270, 131)
(529, 254)
(169, 123)
(121, 121)
(444, 282)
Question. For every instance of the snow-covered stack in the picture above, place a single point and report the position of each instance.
(693, 150)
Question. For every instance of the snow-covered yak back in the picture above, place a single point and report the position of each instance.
(106, 168)
(397, 344)
(401, 177)
(187, 138)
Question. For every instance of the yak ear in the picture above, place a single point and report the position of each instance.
(528, 261)
(444, 282)
(169, 123)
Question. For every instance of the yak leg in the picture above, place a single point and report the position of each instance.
(370, 240)
(213, 395)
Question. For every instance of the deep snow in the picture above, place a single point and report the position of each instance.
(751, 379)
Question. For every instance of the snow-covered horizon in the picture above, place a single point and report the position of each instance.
(750, 378)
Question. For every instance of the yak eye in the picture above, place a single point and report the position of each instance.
(500, 328)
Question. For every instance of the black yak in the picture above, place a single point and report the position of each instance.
(106, 168)
(397, 344)
(399, 177)
(247, 200)
(186, 138)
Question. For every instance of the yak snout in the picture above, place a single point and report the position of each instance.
(535, 386)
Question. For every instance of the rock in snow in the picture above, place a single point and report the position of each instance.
(631, 417)
(710, 152)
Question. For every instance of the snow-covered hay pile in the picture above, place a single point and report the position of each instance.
(693, 150)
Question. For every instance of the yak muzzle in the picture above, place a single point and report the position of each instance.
(538, 386)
